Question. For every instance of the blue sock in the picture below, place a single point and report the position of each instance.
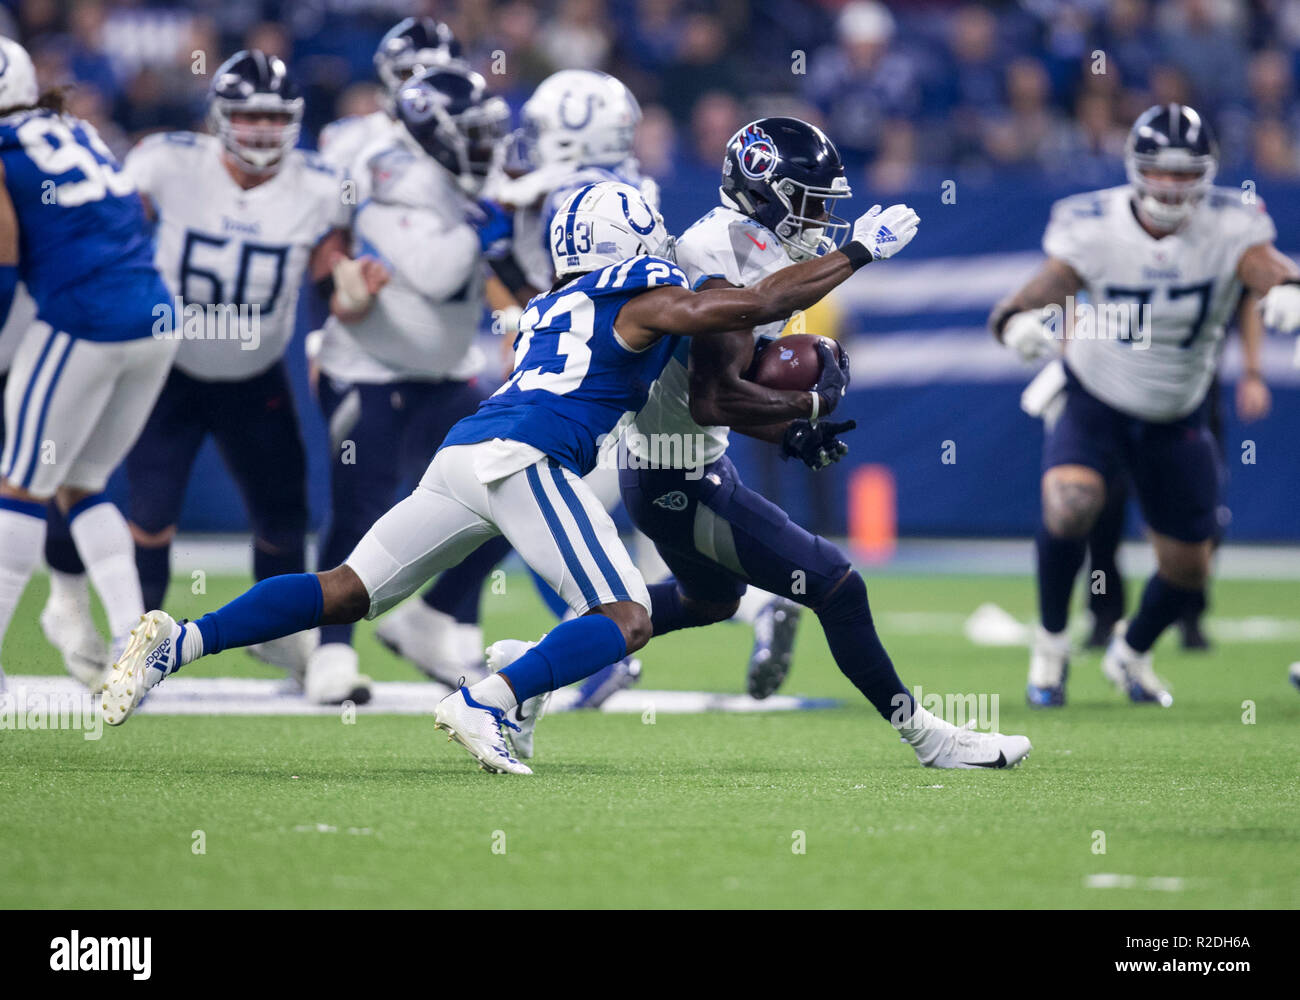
(279, 606)
(1162, 605)
(571, 651)
(1059, 561)
(553, 600)
(859, 653)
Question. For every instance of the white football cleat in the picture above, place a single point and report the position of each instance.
(290, 652)
(1294, 673)
(478, 729)
(332, 676)
(775, 629)
(69, 627)
(1049, 668)
(522, 717)
(150, 654)
(939, 743)
(1132, 674)
(433, 641)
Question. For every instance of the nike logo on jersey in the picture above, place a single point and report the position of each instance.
(761, 246)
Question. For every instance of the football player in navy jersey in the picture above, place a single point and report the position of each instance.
(515, 467)
(88, 369)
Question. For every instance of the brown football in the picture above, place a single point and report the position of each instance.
(790, 362)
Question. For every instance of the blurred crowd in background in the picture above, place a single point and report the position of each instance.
(913, 91)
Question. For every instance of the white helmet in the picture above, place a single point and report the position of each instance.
(17, 76)
(603, 224)
(582, 117)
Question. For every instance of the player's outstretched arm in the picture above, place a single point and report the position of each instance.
(672, 310)
(1275, 279)
(1016, 320)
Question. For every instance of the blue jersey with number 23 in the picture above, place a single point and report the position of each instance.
(574, 377)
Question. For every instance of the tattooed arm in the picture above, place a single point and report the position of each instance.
(1054, 282)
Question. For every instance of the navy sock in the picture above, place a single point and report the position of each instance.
(859, 653)
(279, 606)
(155, 569)
(268, 564)
(554, 601)
(667, 610)
(336, 633)
(458, 591)
(571, 651)
(1059, 560)
(60, 550)
(1162, 605)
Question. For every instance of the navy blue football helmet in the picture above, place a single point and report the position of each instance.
(448, 111)
(255, 110)
(1170, 139)
(784, 173)
(413, 44)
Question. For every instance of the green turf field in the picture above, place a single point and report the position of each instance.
(701, 810)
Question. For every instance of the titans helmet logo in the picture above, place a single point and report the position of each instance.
(757, 155)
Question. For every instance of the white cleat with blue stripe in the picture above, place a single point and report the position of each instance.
(478, 729)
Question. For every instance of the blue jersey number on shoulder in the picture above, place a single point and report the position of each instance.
(50, 144)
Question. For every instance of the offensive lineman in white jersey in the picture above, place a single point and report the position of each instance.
(400, 366)
(1164, 261)
(241, 216)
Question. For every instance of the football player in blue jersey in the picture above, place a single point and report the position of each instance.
(90, 366)
(781, 178)
(515, 467)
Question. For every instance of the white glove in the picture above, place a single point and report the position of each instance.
(350, 285)
(1026, 334)
(1281, 307)
(885, 233)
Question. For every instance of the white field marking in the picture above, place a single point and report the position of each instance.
(991, 625)
(1155, 883)
(261, 696)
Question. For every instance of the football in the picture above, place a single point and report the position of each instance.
(790, 362)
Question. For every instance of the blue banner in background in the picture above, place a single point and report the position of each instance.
(925, 372)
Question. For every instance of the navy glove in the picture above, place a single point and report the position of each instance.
(834, 381)
(816, 445)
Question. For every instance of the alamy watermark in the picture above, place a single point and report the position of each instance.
(974, 710)
(181, 320)
(1124, 321)
(23, 709)
(685, 452)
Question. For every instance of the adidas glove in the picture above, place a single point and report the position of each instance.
(816, 445)
(1281, 308)
(1025, 334)
(886, 232)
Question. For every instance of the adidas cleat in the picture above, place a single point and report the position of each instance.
(478, 729)
(775, 628)
(151, 653)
